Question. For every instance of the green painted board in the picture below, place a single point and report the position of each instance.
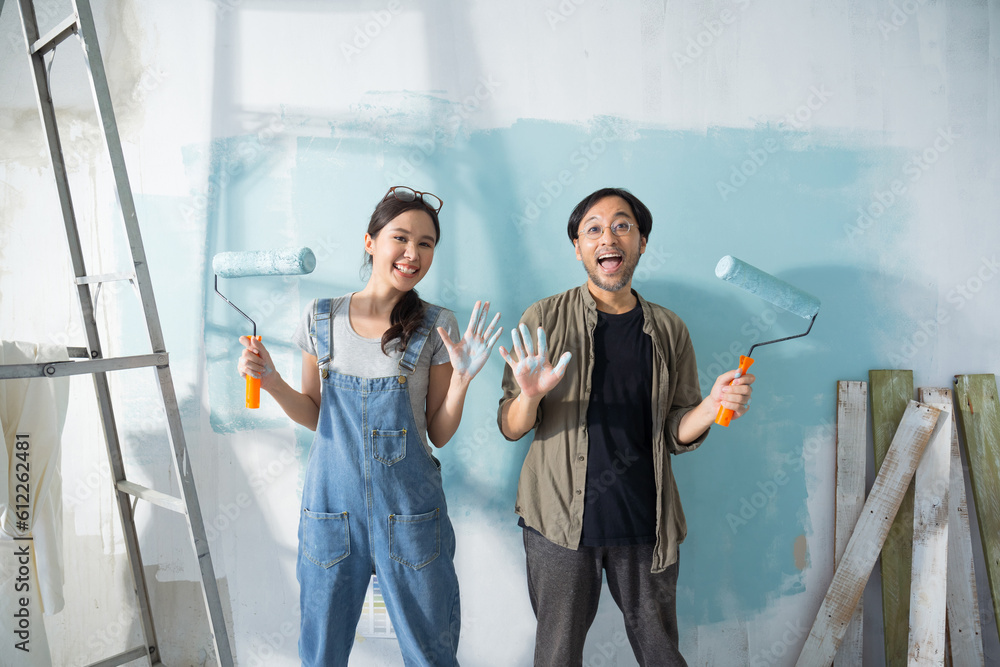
(891, 391)
(979, 418)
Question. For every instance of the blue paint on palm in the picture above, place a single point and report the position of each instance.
(469, 355)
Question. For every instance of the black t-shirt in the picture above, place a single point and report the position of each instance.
(620, 501)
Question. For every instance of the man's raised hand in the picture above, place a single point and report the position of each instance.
(532, 371)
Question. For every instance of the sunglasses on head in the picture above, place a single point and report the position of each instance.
(405, 194)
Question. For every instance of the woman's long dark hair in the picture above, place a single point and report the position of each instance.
(408, 312)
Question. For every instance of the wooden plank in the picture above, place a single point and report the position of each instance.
(979, 417)
(929, 579)
(873, 527)
(852, 438)
(965, 637)
(891, 391)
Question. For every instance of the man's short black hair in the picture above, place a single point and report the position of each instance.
(643, 218)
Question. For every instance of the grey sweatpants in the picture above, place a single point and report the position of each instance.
(565, 586)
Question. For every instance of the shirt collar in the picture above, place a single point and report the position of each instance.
(591, 304)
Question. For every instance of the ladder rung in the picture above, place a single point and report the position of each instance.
(63, 368)
(123, 658)
(159, 498)
(52, 39)
(104, 278)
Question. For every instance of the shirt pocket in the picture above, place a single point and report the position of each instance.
(389, 447)
(326, 538)
(415, 539)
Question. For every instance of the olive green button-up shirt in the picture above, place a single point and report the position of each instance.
(551, 489)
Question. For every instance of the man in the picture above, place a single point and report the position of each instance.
(596, 491)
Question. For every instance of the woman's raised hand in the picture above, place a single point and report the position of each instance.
(469, 355)
(533, 372)
(255, 361)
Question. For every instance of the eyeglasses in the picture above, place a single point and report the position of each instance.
(405, 194)
(596, 231)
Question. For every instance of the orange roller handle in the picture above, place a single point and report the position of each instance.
(725, 414)
(253, 390)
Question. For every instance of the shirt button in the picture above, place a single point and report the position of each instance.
(578, 492)
(580, 458)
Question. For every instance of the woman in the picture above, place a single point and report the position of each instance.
(376, 385)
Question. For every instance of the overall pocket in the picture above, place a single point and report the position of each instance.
(415, 539)
(389, 446)
(326, 539)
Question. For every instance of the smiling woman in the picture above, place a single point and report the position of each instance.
(399, 249)
(377, 386)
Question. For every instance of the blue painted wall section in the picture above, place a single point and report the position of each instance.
(781, 200)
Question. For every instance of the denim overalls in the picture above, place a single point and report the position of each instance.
(373, 503)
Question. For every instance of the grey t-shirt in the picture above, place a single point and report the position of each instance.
(353, 354)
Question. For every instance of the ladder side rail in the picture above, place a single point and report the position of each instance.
(46, 110)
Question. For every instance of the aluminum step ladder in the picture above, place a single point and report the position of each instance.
(81, 23)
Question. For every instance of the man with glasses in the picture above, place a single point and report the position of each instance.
(596, 493)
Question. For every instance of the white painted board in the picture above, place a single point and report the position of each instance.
(869, 535)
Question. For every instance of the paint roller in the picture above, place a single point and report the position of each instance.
(282, 262)
(769, 288)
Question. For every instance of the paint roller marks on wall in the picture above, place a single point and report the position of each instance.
(751, 331)
(283, 262)
(913, 170)
(750, 505)
(928, 328)
(582, 157)
(443, 134)
(757, 157)
(231, 157)
(773, 290)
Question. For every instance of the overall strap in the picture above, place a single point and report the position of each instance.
(321, 331)
(412, 353)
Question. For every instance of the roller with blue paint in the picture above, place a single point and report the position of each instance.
(774, 290)
(280, 262)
